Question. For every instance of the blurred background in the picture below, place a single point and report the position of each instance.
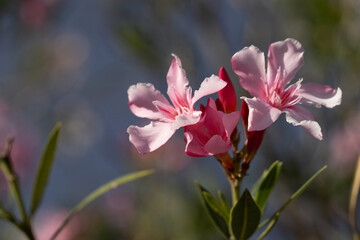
(72, 61)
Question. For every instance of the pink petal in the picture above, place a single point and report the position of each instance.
(317, 94)
(249, 65)
(217, 145)
(230, 122)
(177, 81)
(185, 120)
(261, 114)
(299, 116)
(227, 95)
(287, 55)
(141, 97)
(168, 111)
(193, 147)
(208, 86)
(150, 137)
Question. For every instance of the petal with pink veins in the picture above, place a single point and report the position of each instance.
(141, 98)
(286, 55)
(185, 120)
(217, 145)
(299, 116)
(210, 85)
(150, 137)
(177, 81)
(249, 65)
(261, 114)
(317, 94)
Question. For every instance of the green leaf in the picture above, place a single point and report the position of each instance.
(100, 191)
(273, 219)
(44, 168)
(216, 206)
(244, 217)
(354, 195)
(263, 187)
(216, 218)
(224, 202)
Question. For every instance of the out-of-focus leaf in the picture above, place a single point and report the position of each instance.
(216, 218)
(273, 219)
(353, 200)
(100, 191)
(224, 202)
(263, 187)
(44, 168)
(245, 217)
(216, 206)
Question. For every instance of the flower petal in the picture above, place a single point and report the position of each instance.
(141, 97)
(193, 147)
(210, 85)
(249, 65)
(261, 114)
(150, 137)
(230, 122)
(177, 82)
(217, 145)
(185, 120)
(287, 55)
(317, 94)
(299, 116)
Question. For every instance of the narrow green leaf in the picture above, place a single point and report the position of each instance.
(273, 219)
(268, 228)
(216, 218)
(245, 217)
(100, 191)
(263, 188)
(224, 202)
(354, 195)
(216, 206)
(44, 168)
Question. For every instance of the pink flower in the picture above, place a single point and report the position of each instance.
(211, 135)
(227, 95)
(271, 97)
(146, 102)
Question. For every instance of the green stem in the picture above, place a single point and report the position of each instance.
(235, 190)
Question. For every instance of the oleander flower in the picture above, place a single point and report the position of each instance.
(147, 102)
(211, 135)
(272, 96)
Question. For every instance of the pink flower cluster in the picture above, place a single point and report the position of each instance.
(208, 130)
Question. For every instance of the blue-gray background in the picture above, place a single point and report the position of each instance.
(72, 61)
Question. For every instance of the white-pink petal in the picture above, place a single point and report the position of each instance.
(217, 145)
(186, 120)
(261, 114)
(141, 98)
(317, 94)
(249, 65)
(150, 137)
(209, 86)
(299, 116)
(287, 55)
(177, 81)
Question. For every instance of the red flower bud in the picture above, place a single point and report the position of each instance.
(227, 95)
(254, 138)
